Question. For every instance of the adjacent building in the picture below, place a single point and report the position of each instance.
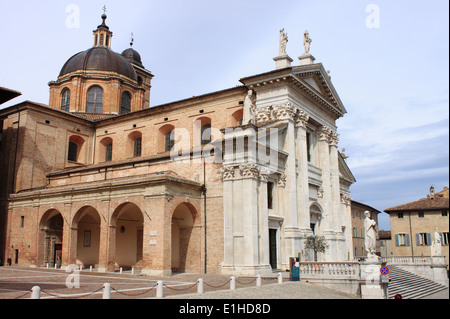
(414, 224)
(358, 233)
(227, 182)
(385, 243)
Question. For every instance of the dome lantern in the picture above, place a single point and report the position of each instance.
(102, 35)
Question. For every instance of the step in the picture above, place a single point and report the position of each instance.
(409, 285)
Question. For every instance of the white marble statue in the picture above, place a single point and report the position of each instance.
(370, 238)
(306, 41)
(248, 115)
(437, 243)
(283, 42)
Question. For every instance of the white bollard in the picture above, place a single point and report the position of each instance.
(81, 267)
(90, 268)
(159, 289)
(233, 283)
(132, 270)
(55, 266)
(36, 292)
(120, 270)
(258, 281)
(280, 278)
(200, 286)
(107, 291)
(47, 266)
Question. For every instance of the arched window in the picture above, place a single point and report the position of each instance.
(237, 117)
(65, 100)
(137, 147)
(169, 141)
(202, 125)
(125, 103)
(73, 152)
(206, 134)
(95, 100)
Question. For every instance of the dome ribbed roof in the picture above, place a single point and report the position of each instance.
(133, 56)
(99, 59)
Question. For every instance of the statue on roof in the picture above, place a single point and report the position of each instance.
(306, 41)
(283, 42)
(248, 115)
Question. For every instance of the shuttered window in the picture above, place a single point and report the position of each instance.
(402, 240)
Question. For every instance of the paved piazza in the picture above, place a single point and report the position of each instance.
(16, 283)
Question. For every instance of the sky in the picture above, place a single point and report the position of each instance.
(388, 60)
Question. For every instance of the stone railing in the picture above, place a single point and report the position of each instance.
(407, 260)
(329, 270)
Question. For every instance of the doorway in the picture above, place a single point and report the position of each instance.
(58, 255)
(273, 248)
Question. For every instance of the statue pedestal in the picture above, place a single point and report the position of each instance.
(282, 61)
(439, 268)
(306, 59)
(371, 286)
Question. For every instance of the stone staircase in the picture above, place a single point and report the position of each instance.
(409, 285)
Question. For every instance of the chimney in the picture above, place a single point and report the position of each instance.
(432, 192)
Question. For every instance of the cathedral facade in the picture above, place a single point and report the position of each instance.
(228, 182)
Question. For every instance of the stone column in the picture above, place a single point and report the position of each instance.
(336, 194)
(263, 220)
(346, 202)
(302, 174)
(288, 207)
(327, 221)
(227, 182)
(250, 174)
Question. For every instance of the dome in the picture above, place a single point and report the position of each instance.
(133, 56)
(99, 59)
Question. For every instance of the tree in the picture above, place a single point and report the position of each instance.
(317, 244)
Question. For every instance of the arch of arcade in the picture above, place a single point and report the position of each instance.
(106, 225)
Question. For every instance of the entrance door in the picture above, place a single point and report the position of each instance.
(273, 248)
(58, 255)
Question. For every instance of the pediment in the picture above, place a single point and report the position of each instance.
(318, 80)
(344, 171)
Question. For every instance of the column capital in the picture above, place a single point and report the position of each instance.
(334, 139)
(227, 172)
(324, 133)
(284, 111)
(249, 170)
(301, 119)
